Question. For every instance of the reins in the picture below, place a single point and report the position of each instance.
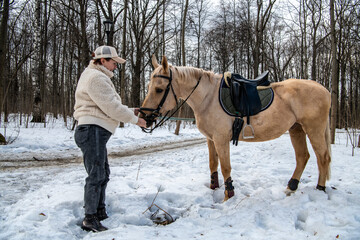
(156, 112)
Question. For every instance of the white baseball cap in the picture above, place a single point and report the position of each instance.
(108, 52)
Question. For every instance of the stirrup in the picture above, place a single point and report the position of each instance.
(252, 131)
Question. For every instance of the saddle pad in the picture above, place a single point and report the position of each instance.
(266, 97)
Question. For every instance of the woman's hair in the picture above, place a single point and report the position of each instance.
(98, 61)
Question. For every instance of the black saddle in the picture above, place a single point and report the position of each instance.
(244, 94)
(245, 100)
(261, 80)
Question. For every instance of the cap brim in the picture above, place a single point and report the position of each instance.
(119, 60)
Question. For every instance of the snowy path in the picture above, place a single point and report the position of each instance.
(46, 203)
(29, 160)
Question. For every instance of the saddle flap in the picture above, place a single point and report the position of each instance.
(245, 98)
(253, 99)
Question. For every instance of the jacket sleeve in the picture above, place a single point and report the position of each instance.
(109, 101)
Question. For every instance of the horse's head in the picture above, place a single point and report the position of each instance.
(161, 97)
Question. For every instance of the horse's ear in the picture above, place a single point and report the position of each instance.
(164, 63)
(154, 61)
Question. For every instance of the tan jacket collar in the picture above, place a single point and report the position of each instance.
(101, 68)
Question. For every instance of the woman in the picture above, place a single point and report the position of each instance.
(98, 110)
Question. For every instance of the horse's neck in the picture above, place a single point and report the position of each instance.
(188, 79)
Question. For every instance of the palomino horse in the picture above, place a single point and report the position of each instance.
(299, 106)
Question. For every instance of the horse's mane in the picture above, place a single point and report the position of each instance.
(186, 72)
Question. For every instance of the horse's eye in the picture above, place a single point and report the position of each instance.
(159, 90)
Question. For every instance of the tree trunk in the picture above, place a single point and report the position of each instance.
(183, 25)
(316, 18)
(3, 51)
(314, 55)
(123, 55)
(334, 73)
(65, 47)
(37, 111)
(99, 39)
(85, 49)
(55, 75)
(163, 30)
(343, 97)
(135, 86)
(304, 47)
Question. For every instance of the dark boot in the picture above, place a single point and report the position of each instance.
(101, 214)
(91, 223)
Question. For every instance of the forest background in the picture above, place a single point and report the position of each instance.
(45, 45)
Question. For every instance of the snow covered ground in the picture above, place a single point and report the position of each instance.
(46, 202)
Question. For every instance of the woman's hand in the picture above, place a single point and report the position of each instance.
(136, 111)
(141, 123)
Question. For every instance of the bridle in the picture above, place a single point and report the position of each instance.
(155, 113)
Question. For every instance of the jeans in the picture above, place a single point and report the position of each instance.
(92, 139)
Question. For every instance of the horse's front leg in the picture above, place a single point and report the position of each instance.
(223, 150)
(213, 164)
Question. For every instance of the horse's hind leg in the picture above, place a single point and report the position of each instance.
(320, 141)
(298, 140)
(213, 164)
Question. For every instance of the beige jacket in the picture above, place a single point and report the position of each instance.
(97, 102)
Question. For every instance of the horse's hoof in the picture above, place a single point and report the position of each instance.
(229, 189)
(228, 194)
(214, 181)
(293, 184)
(321, 188)
(214, 186)
(288, 191)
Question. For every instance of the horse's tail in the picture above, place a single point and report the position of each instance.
(328, 143)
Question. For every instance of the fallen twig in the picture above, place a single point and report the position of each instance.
(153, 200)
(242, 200)
(155, 217)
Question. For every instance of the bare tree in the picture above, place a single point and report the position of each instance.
(279, 53)
(183, 29)
(262, 19)
(42, 14)
(219, 41)
(303, 19)
(123, 51)
(198, 18)
(334, 72)
(4, 8)
(183, 56)
(141, 16)
(346, 44)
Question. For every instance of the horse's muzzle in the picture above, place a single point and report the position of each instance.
(149, 118)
